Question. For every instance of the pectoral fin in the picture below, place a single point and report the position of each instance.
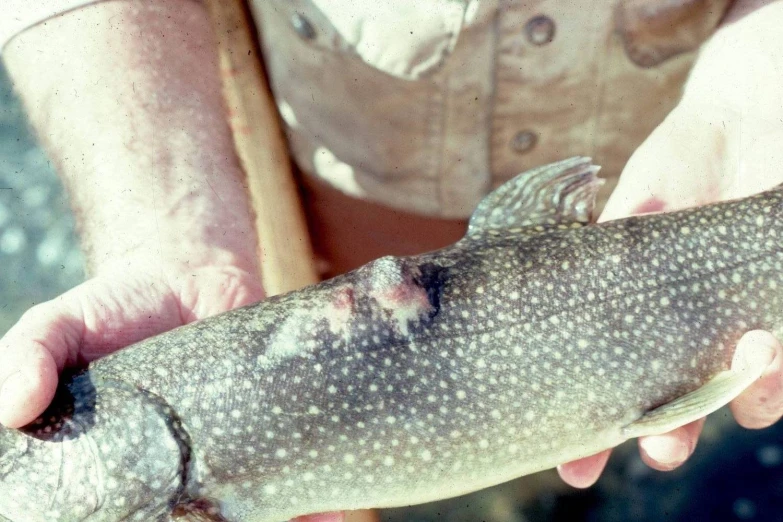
(715, 393)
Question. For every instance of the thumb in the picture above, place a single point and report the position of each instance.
(31, 354)
(676, 167)
(761, 405)
(90, 320)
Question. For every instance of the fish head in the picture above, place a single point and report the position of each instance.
(107, 453)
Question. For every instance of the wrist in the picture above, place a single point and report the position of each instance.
(174, 249)
(196, 215)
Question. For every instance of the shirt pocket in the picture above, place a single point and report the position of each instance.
(361, 80)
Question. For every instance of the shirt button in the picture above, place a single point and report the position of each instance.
(523, 141)
(302, 26)
(540, 30)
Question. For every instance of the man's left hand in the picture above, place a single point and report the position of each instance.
(723, 141)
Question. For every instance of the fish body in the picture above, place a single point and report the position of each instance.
(535, 340)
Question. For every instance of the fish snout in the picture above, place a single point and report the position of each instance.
(100, 452)
(49, 477)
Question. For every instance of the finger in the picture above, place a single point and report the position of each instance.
(32, 353)
(583, 473)
(761, 405)
(323, 517)
(95, 318)
(668, 451)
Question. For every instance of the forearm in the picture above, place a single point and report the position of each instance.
(126, 97)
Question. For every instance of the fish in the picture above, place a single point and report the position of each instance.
(538, 338)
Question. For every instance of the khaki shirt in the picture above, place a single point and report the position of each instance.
(425, 106)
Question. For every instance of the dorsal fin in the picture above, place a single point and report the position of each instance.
(561, 192)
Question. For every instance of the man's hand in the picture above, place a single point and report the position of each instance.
(108, 313)
(103, 315)
(721, 142)
(131, 113)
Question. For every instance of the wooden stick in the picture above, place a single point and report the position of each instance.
(286, 256)
(287, 260)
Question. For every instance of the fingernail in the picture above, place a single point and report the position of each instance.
(13, 392)
(666, 451)
(757, 352)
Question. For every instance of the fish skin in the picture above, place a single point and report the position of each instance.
(533, 341)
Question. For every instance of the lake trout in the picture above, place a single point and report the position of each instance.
(536, 339)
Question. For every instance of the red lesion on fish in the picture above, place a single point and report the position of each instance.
(343, 299)
(405, 294)
(397, 292)
(403, 302)
(340, 310)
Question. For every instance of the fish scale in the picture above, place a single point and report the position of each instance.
(533, 341)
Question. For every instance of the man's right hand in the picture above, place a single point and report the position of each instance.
(103, 315)
(126, 98)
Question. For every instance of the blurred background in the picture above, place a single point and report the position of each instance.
(735, 474)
